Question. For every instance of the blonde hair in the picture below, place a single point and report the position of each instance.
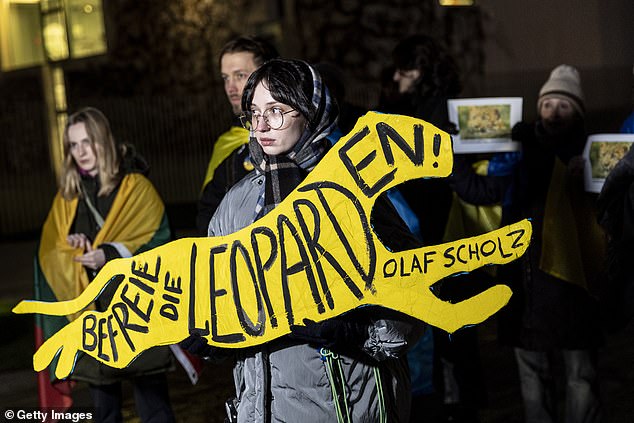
(105, 148)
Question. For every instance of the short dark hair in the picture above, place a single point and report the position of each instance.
(439, 72)
(261, 49)
(289, 81)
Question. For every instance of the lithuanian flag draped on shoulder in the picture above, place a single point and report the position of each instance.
(135, 223)
(224, 146)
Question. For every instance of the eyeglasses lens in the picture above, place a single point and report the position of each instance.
(274, 118)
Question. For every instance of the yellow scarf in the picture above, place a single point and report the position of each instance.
(561, 256)
(467, 220)
(225, 145)
(573, 245)
(135, 216)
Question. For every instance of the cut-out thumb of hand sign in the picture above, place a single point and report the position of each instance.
(313, 257)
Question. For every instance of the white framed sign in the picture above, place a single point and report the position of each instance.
(601, 153)
(484, 124)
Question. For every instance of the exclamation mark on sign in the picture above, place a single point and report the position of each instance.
(436, 148)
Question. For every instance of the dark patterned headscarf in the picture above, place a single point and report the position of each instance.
(284, 172)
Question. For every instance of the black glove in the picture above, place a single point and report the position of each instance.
(523, 131)
(336, 334)
(197, 345)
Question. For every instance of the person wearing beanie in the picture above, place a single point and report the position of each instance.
(564, 83)
(551, 318)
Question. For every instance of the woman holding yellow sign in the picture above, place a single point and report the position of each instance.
(348, 368)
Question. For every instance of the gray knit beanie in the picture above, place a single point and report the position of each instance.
(564, 83)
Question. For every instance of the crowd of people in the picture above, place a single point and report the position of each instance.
(371, 364)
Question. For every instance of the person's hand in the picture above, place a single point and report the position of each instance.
(333, 333)
(197, 345)
(523, 131)
(78, 241)
(92, 259)
(576, 166)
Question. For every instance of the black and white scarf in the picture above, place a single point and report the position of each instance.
(284, 172)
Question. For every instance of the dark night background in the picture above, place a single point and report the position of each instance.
(159, 86)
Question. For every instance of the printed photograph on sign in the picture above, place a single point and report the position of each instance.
(601, 153)
(485, 124)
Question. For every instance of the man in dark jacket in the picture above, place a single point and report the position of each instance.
(426, 76)
(230, 158)
(551, 310)
(616, 216)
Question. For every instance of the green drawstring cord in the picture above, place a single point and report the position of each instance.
(381, 398)
(332, 360)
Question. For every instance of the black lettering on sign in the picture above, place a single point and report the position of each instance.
(89, 324)
(389, 268)
(416, 264)
(407, 266)
(191, 323)
(173, 285)
(94, 329)
(366, 275)
(460, 248)
(355, 169)
(301, 266)
(143, 287)
(230, 338)
(123, 320)
(93, 332)
(516, 241)
(143, 272)
(436, 148)
(415, 155)
(260, 267)
(448, 255)
(505, 255)
(427, 260)
(168, 309)
(102, 335)
(486, 252)
(113, 345)
(312, 241)
(403, 268)
(253, 329)
(473, 252)
(134, 304)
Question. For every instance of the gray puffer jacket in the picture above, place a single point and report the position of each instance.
(287, 381)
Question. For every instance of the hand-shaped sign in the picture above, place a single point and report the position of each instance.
(313, 257)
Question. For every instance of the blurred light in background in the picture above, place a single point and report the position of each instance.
(456, 2)
(34, 31)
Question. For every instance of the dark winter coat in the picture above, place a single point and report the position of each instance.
(616, 216)
(430, 199)
(287, 380)
(229, 171)
(545, 311)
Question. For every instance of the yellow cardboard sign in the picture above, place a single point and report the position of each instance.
(315, 256)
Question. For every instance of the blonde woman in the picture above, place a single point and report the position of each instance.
(105, 208)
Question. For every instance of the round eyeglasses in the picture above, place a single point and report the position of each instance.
(274, 118)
